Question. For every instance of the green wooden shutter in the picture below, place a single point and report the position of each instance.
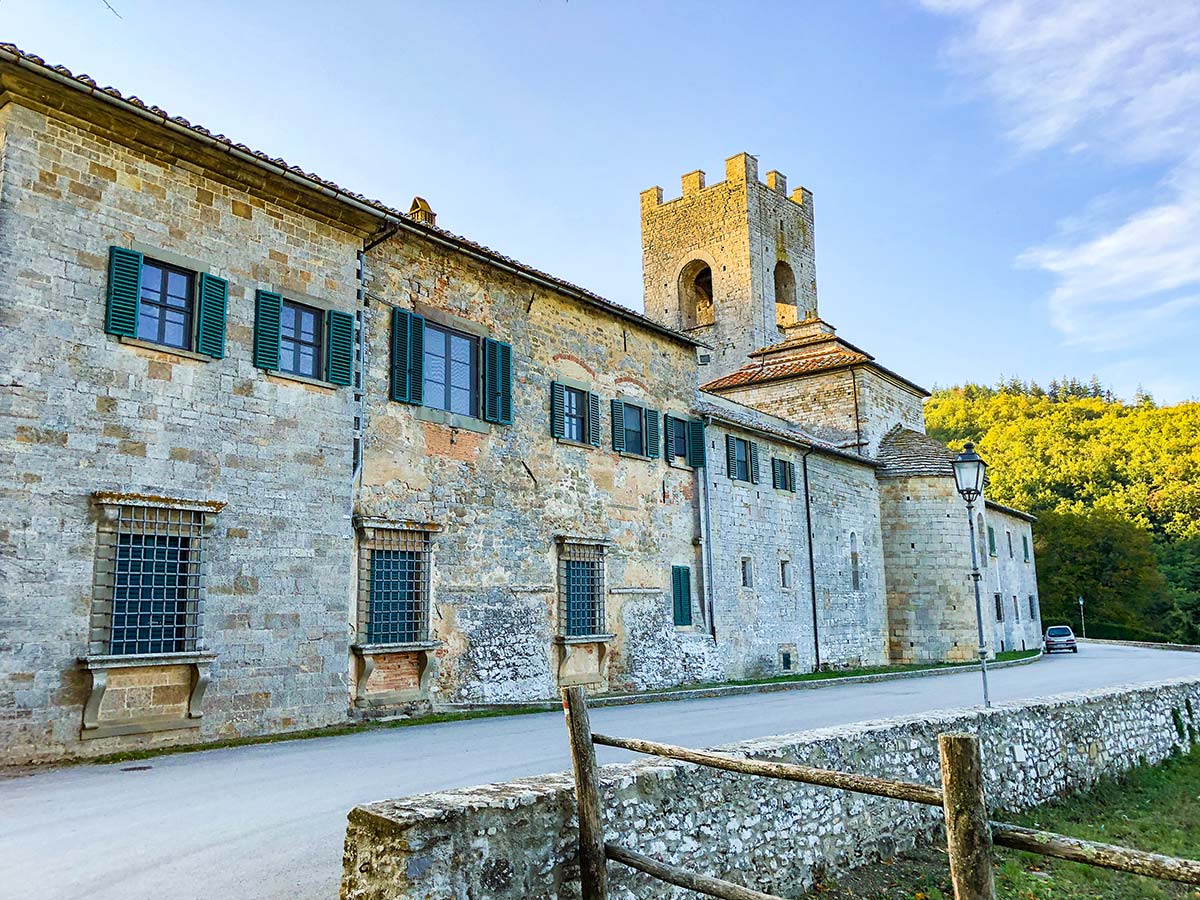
(791, 476)
(754, 461)
(212, 301)
(497, 381)
(776, 474)
(339, 365)
(669, 436)
(618, 426)
(652, 439)
(697, 452)
(991, 540)
(124, 291)
(416, 359)
(268, 309)
(558, 413)
(401, 334)
(593, 420)
(1025, 546)
(681, 594)
(731, 456)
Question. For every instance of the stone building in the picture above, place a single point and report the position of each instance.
(276, 455)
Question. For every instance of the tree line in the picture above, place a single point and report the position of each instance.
(1116, 489)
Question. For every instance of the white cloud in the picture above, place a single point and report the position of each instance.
(1117, 81)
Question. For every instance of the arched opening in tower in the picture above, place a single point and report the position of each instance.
(786, 312)
(696, 295)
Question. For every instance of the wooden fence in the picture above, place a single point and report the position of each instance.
(969, 833)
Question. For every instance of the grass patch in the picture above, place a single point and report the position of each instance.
(1153, 808)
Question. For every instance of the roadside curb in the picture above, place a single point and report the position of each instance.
(1149, 645)
(742, 689)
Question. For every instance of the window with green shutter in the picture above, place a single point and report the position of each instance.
(783, 474)
(991, 540)
(340, 366)
(497, 382)
(635, 429)
(124, 291)
(268, 313)
(211, 312)
(681, 593)
(293, 338)
(574, 414)
(697, 453)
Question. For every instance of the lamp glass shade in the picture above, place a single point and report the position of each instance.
(969, 468)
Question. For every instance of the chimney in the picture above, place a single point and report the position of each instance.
(422, 212)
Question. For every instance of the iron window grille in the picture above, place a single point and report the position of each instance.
(451, 366)
(301, 333)
(394, 575)
(581, 589)
(149, 580)
(166, 305)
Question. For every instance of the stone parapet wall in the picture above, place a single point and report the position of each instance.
(518, 839)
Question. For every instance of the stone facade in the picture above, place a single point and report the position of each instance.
(337, 542)
(520, 839)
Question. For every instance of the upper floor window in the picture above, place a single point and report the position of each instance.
(166, 305)
(1033, 611)
(785, 573)
(1025, 546)
(575, 415)
(679, 438)
(747, 572)
(635, 429)
(999, 608)
(783, 474)
(301, 329)
(741, 459)
(451, 370)
(991, 540)
(1010, 544)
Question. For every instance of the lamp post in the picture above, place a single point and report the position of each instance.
(1082, 624)
(969, 469)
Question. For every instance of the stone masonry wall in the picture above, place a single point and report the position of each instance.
(503, 493)
(927, 553)
(1015, 580)
(83, 411)
(518, 840)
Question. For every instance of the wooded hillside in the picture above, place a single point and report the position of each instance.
(1115, 486)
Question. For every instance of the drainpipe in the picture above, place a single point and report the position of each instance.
(708, 552)
(858, 448)
(812, 570)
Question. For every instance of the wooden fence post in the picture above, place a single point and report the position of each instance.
(968, 832)
(592, 872)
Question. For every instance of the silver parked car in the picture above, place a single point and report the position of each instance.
(1060, 637)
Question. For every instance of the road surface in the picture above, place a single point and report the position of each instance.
(267, 822)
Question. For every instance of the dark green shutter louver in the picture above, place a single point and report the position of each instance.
(668, 437)
(593, 422)
(776, 473)
(408, 357)
(731, 456)
(791, 477)
(558, 413)
(124, 291)
(618, 426)
(652, 438)
(212, 302)
(754, 462)
(681, 594)
(697, 453)
(339, 366)
(991, 540)
(268, 309)
(497, 382)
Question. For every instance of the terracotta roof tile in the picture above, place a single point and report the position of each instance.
(757, 373)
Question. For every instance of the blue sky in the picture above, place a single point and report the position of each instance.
(1007, 188)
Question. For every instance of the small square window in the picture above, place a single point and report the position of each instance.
(635, 429)
(166, 305)
(747, 572)
(451, 371)
(301, 335)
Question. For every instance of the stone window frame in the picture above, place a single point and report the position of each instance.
(572, 548)
(747, 572)
(114, 512)
(161, 256)
(999, 601)
(589, 426)
(378, 533)
(786, 578)
(448, 321)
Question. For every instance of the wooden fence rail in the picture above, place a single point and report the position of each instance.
(969, 834)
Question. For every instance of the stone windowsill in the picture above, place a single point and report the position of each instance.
(273, 374)
(644, 591)
(98, 661)
(405, 647)
(582, 445)
(571, 640)
(453, 420)
(163, 348)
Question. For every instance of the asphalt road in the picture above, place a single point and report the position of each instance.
(268, 821)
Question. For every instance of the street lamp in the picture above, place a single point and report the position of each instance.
(969, 469)
(1082, 624)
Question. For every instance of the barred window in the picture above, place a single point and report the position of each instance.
(149, 580)
(581, 589)
(394, 569)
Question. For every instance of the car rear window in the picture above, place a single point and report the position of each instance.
(1059, 632)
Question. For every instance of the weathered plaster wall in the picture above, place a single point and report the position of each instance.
(84, 412)
(520, 839)
(502, 493)
(1011, 577)
(927, 561)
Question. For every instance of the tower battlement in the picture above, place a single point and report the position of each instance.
(730, 262)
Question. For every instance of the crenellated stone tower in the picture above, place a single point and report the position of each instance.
(730, 263)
